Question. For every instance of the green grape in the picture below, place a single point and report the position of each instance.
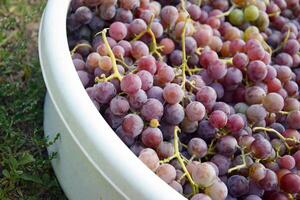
(236, 17)
(251, 13)
(263, 21)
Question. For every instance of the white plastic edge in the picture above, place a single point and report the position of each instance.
(108, 154)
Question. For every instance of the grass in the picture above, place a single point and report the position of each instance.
(25, 170)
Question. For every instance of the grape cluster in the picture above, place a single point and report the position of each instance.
(205, 93)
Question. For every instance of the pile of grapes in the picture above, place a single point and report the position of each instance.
(205, 93)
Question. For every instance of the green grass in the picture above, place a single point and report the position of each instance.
(25, 170)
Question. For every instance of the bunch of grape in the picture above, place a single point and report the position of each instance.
(205, 93)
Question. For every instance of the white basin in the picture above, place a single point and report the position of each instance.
(92, 162)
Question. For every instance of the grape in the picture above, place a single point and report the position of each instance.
(194, 11)
(222, 107)
(124, 15)
(176, 57)
(273, 102)
(137, 26)
(256, 113)
(152, 137)
(190, 45)
(166, 172)
(136, 148)
(200, 196)
(236, 17)
(138, 99)
(146, 78)
(204, 174)
(169, 15)
(233, 77)
(83, 15)
(274, 85)
(261, 148)
(147, 63)
(241, 108)
(284, 73)
(207, 57)
(128, 140)
(168, 45)
(92, 60)
(84, 77)
(126, 46)
(179, 29)
(207, 96)
(176, 186)
(139, 49)
(292, 88)
(237, 185)
(188, 126)
(293, 119)
(104, 92)
(152, 109)
(173, 93)
(197, 147)
(218, 119)
(117, 31)
(257, 171)
(216, 43)
(129, 4)
(205, 130)
(223, 163)
(165, 150)
(132, 125)
(105, 63)
(174, 114)
(195, 111)
(257, 71)
(286, 162)
(218, 88)
(284, 59)
(240, 60)
(156, 92)
(131, 83)
(157, 29)
(165, 74)
(119, 105)
(227, 145)
(269, 182)
(107, 11)
(291, 47)
(235, 123)
(216, 69)
(217, 191)
(203, 35)
(118, 51)
(149, 158)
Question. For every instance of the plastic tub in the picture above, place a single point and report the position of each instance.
(92, 162)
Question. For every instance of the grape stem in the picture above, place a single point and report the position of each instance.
(284, 41)
(183, 66)
(238, 167)
(154, 47)
(274, 14)
(227, 12)
(284, 139)
(78, 46)
(283, 112)
(227, 60)
(178, 155)
(116, 73)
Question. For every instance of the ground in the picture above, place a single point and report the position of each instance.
(25, 170)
